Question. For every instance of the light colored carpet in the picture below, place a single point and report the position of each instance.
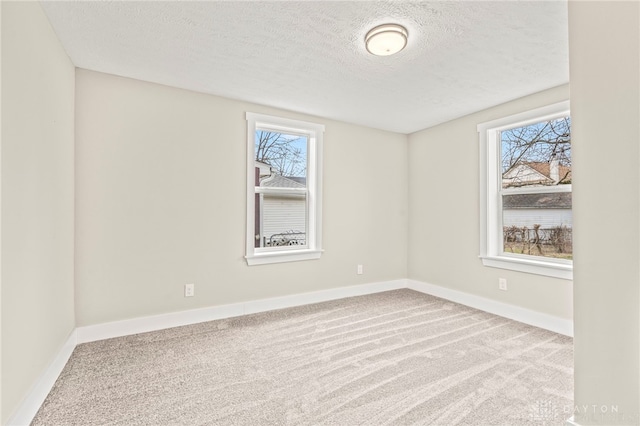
(399, 357)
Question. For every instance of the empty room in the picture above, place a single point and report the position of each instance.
(320, 213)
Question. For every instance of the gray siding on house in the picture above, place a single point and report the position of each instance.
(546, 218)
(283, 214)
(548, 210)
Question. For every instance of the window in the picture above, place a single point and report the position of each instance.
(525, 192)
(284, 193)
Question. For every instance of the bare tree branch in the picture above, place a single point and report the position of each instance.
(282, 152)
(547, 142)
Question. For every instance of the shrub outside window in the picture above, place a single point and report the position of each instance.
(283, 189)
(526, 209)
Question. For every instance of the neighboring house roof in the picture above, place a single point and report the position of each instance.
(270, 178)
(535, 173)
(299, 179)
(557, 200)
(564, 172)
(279, 181)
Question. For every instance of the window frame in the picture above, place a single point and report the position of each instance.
(313, 192)
(491, 229)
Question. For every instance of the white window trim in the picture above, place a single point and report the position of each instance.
(313, 248)
(491, 240)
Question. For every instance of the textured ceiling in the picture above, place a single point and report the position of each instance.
(309, 56)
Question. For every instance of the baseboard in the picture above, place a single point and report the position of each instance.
(38, 393)
(159, 322)
(527, 316)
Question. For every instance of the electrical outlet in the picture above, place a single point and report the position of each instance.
(502, 284)
(360, 270)
(189, 290)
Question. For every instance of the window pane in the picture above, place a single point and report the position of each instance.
(281, 220)
(281, 160)
(538, 224)
(537, 154)
(281, 163)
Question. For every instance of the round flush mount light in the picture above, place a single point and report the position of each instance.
(387, 39)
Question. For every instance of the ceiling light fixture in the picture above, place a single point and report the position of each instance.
(387, 39)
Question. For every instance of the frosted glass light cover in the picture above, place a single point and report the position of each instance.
(385, 40)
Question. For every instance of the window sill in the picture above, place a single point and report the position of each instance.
(530, 266)
(282, 256)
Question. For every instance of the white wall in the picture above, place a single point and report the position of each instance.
(160, 202)
(37, 199)
(605, 110)
(444, 217)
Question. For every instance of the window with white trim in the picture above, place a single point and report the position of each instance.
(525, 192)
(284, 189)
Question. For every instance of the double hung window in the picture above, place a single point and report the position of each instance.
(284, 164)
(526, 211)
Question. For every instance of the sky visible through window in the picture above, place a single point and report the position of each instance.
(285, 153)
(537, 143)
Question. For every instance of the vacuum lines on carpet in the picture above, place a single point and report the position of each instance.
(393, 358)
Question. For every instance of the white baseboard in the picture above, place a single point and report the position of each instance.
(175, 319)
(517, 313)
(38, 393)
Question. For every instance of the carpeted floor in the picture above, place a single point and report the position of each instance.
(399, 357)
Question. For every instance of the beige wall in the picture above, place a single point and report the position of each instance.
(444, 217)
(605, 74)
(160, 202)
(37, 199)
